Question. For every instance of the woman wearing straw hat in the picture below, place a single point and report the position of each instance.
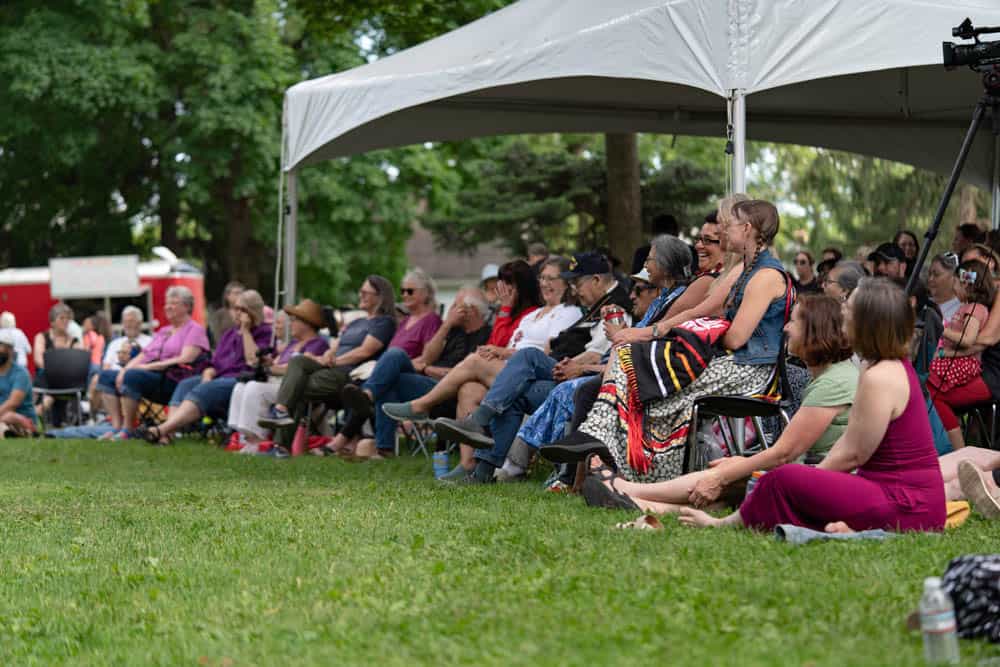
(250, 401)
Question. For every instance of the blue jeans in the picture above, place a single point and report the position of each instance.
(138, 384)
(393, 380)
(505, 425)
(525, 368)
(211, 398)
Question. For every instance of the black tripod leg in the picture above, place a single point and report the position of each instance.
(956, 172)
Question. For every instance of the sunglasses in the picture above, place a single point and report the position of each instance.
(704, 240)
(408, 291)
(639, 289)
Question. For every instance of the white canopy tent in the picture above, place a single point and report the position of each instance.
(856, 75)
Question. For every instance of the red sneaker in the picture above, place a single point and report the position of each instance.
(234, 444)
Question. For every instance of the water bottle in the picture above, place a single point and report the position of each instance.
(937, 622)
(752, 482)
(440, 464)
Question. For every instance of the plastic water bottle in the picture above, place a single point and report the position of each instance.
(937, 622)
(440, 464)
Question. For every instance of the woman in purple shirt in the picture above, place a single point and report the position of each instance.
(154, 374)
(236, 353)
(251, 400)
(422, 322)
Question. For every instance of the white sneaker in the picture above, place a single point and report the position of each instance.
(972, 481)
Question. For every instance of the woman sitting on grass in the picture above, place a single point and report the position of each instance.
(815, 335)
(898, 484)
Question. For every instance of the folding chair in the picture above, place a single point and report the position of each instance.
(976, 414)
(733, 411)
(66, 372)
(418, 433)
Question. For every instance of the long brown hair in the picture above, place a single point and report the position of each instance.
(823, 338)
(881, 320)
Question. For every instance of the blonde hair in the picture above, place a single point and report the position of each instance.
(420, 277)
(254, 303)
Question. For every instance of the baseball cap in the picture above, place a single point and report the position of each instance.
(887, 252)
(586, 264)
(490, 271)
(642, 275)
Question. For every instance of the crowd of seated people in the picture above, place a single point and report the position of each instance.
(598, 372)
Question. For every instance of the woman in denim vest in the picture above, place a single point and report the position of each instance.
(757, 308)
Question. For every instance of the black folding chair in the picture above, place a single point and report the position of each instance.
(977, 414)
(733, 411)
(66, 372)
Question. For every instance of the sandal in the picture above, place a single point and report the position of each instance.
(152, 435)
(644, 522)
(599, 494)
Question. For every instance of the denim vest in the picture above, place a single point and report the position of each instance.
(762, 348)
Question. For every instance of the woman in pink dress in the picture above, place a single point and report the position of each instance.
(898, 485)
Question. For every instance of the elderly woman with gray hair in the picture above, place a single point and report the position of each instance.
(208, 393)
(843, 279)
(155, 373)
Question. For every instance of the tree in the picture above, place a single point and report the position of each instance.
(553, 188)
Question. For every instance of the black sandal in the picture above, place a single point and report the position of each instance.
(152, 435)
(599, 494)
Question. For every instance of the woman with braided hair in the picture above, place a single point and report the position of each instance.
(756, 307)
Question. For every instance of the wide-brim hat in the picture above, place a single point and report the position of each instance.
(308, 311)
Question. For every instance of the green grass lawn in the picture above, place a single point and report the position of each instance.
(126, 554)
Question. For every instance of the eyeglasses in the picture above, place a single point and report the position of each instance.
(705, 240)
(408, 291)
(639, 289)
(581, 280)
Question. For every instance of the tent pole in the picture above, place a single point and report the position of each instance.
(995, 208)
(291, 236)
(739, 140)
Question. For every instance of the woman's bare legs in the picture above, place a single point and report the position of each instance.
(675, 492)
(689, 516)
(185, 413)
(470, 395)
(130, 408)
(113, 407)
(472, 369)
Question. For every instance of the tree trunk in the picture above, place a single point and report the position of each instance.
(624, 201)
(967, 207)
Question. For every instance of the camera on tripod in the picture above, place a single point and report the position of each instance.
(980, 56)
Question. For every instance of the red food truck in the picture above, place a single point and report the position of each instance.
(88, 284)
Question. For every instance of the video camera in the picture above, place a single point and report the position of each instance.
(980, 56)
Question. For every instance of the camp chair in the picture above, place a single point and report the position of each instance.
(733, 411)
(66, 372)
(976, 415)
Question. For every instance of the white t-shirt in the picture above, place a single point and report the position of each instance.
(536, 329)
(22, 347)
(111, 352)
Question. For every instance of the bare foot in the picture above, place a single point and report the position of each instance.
(689, 516)
(838, 527)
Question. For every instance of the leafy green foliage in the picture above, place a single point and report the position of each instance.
(848, 200)
(125, 554)
(553, 188)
